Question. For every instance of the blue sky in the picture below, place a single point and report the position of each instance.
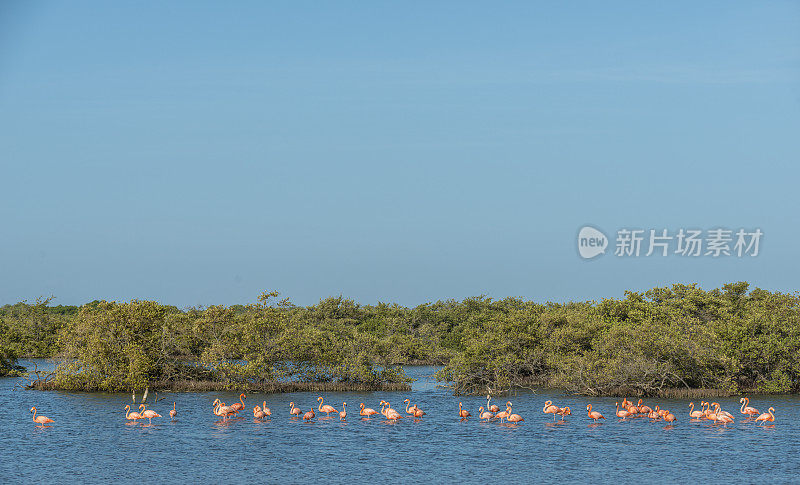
(200, 152)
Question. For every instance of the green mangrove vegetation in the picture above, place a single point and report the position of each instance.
(665, 341)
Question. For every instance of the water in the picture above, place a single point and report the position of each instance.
(90, 441)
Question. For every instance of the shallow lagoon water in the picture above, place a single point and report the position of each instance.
(91, 442)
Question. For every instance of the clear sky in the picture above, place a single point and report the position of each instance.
(201, 152)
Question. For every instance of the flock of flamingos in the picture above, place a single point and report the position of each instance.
(628, 410)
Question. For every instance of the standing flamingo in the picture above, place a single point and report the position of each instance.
(484, 414)
(266, 410)
(150, 414)
(258, 413)
(324, 408)
(494, 407)
(293, 410)
(343, 414)
(463, 413)
(746, 409)
(309, 416)
(514, 418)
(410, 409)
(593, 414)
(565, 411)
(694, 414)
(504, 414)
(768, 416)
(238, 406)
(42, 420)
(131, 415)
(172, 412)
(669, 417)
(220, 409)
(621, 413)
(643, 409)
(549, 408)
(366, 411)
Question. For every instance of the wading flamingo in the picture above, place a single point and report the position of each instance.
(324, 408)
(621, 413)
(258, 413)
(392, 414)
(412, 410)
(632, 409)
(343, 414)
(150, 414)
(504, 414)
(366, 411)
(593, 414)
(565, 411)
(42, 420)
(643, 409)
(669, 417)
(746, 409)
(293, 410)
(514, 418)
(768, 416)
(266, 410)
(549, 408)
(695, 414)
(484, 414)
(220, 409)
(719, 411)
(131, 415)
(463, 413)
(309, 416)
(238, 406)
(494, 407)
(172, 412)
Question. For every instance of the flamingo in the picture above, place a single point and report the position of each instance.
(324, 408)
(366, 411)
(390, 413)
(238, 406)
(293, 410)
(514, 418)
(172, 412)
(720, 412)
(343, 414)
(258, 413)
(494, 407)
(266, 410)
(621, 413)
(484, 414)
(42, 420)
(565, 411)
(669, 417)
(131, 415)
(463, 413)
(643, 409)
(410, 410)
(593, 414)
(694, 414)
(149, 414)
(504, 414)
(220, 409)
(309, 416)
(768, 416)
(549, 408)
(746, 409)
(655, 414)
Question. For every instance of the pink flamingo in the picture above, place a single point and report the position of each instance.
(42, 420)
(484, 414)
(621, 413)
(258, 413)
(343, 414)
(593, 414)
(409, 408)
(172, 412)
(643, 409)
(220, 409)
(669, 417)
(309, 416)
(514, 418)
(132, 415)
(504, 414)
(549, 408)
(768, 416)
(366, 411)
(238, 406)
(694, 414)
(746, 409)
(324, 408)
(463, 413)
(494, 407)
(150, 414)
(565, 411)
(294, 411)
(266, 410)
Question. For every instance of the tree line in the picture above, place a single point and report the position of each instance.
(663, 340)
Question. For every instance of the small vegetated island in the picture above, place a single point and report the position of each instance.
(670, 342)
